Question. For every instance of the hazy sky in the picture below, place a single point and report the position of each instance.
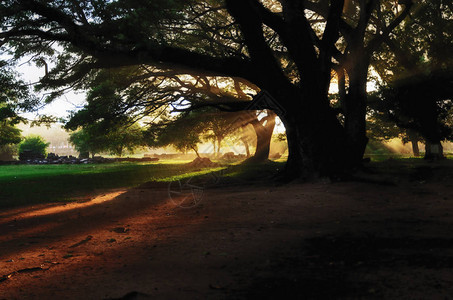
(59, 107)
(72, 101)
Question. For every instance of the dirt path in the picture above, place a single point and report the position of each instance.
(299, 241)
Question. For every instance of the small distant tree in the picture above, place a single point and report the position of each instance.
(183, 142)
(183, 133)
(114, 140)
(33, 147)
(128, 137)
(84, 143)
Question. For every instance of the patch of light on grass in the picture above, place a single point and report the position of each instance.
(188, 175)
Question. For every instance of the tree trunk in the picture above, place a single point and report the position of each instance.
(415, 149)
(413, 138)
(434, 151)
(317, 142)
(263, 136)
(84, 154)
(431, 130)
(219, 142)
(354, 106)
(196, 151)
(247, 146)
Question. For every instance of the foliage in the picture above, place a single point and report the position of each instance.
(280, 137)
(15, 95)
(15, 98)
(424, 43)
(422, 103)
(104, 103)
(189, 128)
(33, 146)
(414, 99)
(218, 125)
(9, 134)
(288, 48)
(115, 140)
(84, 143)
(183, 133)
(123, 138)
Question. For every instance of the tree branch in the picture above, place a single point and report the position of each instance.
(379, 38)
(264, 62)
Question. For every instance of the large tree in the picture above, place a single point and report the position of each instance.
(416, 68)
(288, 48)
(145, 93)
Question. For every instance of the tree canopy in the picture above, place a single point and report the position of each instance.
(415, 75)
(115, 140)
(289, 48)
(33, 146)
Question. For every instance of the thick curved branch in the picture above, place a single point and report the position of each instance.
(298, 44)
(227, 106)
(111, 55)
(264, 62)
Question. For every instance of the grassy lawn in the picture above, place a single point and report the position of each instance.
(32, 184)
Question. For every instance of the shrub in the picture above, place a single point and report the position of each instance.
(32, 147)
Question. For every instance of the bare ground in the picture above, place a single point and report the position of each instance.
(387, 239)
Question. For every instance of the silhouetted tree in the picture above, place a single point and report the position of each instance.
(288, 48)
(418, 65)
(422, 103)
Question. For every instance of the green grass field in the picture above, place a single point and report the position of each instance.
(31, 184)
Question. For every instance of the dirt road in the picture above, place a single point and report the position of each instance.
(298, 241)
